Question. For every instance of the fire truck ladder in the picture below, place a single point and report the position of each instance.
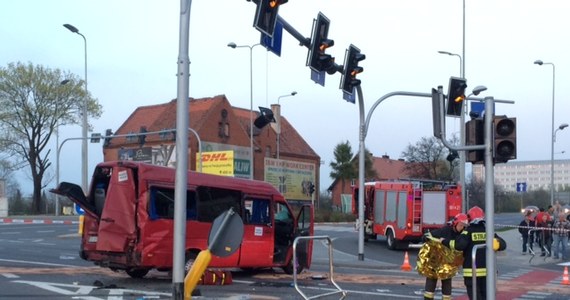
(417, 206)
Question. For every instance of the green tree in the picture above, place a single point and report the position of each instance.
(430, 159)
(342, 166)
(34, 101)
(345, 166)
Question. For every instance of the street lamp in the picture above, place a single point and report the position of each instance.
(84, 116)
(540, 63)
(561, 127)
(233, 45)
(293, 93)
(462, 122)
(460, 60)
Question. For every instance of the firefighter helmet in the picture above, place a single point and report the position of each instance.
(460, 218)
(475, 214)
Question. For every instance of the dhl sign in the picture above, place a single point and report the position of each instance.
(217, 162)
(217, 156)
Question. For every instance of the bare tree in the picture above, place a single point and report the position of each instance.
(430, 159)
(34, 101)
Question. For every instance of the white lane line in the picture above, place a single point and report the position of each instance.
(11, 232)
(10, 275)
(45, 231)
(37, 263)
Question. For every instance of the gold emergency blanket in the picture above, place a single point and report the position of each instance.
(436, 261)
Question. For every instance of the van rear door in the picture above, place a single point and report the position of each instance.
(75, 194)
(117, 223)
(305, 227)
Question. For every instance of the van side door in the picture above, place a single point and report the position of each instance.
(305, 227)
(258, 235)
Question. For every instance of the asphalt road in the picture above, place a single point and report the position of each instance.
(41, 261)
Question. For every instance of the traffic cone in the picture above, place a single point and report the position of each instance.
(565, 279)
(407, 267)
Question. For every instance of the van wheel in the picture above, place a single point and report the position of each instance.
(391, 240)
(137, 273)
(288, 269)
(190, 258)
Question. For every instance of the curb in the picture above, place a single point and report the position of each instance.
(36, 221)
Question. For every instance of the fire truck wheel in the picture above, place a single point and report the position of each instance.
(137, 273)
(391, 240)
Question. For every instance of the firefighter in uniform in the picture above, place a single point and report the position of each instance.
(471, 236)
(445, 235)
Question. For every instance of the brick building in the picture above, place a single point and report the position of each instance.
(220, 127)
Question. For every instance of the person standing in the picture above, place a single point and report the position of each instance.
(544, 223)
(524, 227)
(473, 235)
(560, 235)
(446, 235)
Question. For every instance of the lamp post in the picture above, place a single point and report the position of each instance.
(561, 127)
(293, 93)
(462, 122)
(540, 63)
(83, 116)
(233, 45)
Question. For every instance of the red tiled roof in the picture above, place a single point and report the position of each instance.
(163, 116)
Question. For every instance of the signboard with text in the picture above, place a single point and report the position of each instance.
(217, 162)
(291, 178)
(241, 157)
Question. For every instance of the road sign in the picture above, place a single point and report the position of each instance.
(521, 187)
(318, 77)
(273, 44)
(78, 209)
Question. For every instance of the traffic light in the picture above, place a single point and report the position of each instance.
(265, 117)
(475, 135)
(266, 15)
(317, 59)
(142, 136)
(456, 96)
(311, 188)
(350, 69)
(504, 139)
(107, 138)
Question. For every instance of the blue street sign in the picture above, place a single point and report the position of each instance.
(521, 187)
(318, 77)
(78, 209)
(349, 97)
(273, 44)
(477, 107)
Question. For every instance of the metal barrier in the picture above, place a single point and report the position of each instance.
(474, 267)
(329, 242)
(530, 241)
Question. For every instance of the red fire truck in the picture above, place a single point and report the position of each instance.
(404, 210)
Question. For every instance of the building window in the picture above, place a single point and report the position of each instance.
(131, 137)
(267, 151)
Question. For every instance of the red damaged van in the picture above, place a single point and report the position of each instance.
(129, 219)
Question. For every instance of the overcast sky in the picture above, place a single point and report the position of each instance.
(132, 48)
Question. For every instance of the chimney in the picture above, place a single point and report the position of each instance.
(276, 108)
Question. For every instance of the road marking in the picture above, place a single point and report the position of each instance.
(10, 275)
(83, 291)
(11, 232)
(45, 231)
(37, 263)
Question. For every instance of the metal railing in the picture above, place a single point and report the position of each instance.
(331, 271)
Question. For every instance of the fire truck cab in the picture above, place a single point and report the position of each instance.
(402, 211)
